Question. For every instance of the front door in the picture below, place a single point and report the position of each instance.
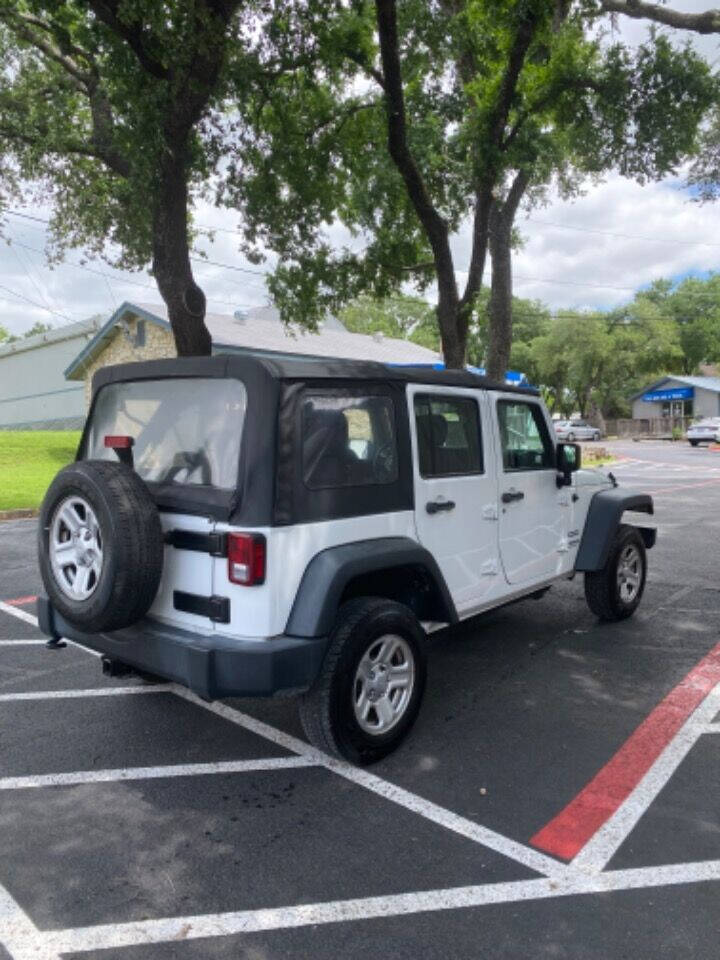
(533, 512)
(456, 489)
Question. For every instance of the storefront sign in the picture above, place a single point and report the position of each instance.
(675, 393)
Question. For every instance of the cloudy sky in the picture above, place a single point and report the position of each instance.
(592, 253)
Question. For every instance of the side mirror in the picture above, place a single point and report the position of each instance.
(567, 461)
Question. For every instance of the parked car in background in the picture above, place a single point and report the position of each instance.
(572, 430)
(703, 431)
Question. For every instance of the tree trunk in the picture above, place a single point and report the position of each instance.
(453, 333)
(500, 305)
(184, 299)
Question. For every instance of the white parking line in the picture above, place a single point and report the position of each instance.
(22, 643)
(530, 858)
(598, 852)
(92, 692)
(20, 614)
(585, 875)
(119, 935)
(18, 933)
(151, 773)
(533, 859)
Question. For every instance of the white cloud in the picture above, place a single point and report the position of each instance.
(643, 233)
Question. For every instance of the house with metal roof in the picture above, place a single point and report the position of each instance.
(678, 396)
(34, 393)
(141, 331)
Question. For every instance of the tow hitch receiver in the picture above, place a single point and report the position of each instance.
(115, 668)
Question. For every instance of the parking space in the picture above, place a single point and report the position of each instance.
(558, 797)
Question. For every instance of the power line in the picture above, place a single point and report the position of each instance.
(213, 263)
(520, 277)
(124, 280)
(34, 303)
(622, 236)
(24, 261)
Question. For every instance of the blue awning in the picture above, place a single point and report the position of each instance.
(674, 393)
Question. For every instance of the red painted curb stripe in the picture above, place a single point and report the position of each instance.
(566, 834)
(19, 601)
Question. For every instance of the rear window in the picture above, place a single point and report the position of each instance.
(348, 441)
(186, 430)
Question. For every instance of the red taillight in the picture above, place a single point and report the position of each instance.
(246, 558)
(118, 442)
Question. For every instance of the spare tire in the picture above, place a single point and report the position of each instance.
(100, 545)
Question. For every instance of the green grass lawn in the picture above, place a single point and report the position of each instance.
(29, 459)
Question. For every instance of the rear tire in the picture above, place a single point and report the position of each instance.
(694, 443)
(365, 701)
(614, 592)
(571, 438)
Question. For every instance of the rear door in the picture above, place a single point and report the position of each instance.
(456, 489)
(533, 511)
(186, 435)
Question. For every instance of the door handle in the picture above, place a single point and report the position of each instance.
(435, 506)
(510, 495)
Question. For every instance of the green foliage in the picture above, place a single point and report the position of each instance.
(318, 151)
(582, 361)
(96, 96)
(705, 171)
(37, 328)
(598, 360)
(693, 307)
(29, 459)
(412, 318)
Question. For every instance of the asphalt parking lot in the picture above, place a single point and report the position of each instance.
(558, 797)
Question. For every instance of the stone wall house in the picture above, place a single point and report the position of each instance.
(142, 332)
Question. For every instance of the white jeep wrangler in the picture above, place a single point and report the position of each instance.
(249, 527)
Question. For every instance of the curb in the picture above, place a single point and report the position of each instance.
(18, 514)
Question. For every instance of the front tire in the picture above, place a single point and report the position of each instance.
(571, 438)
(694, 443)
(368, 694)
(614, 592)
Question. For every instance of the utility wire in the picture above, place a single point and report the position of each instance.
(622, 236)
(23, 260)
(519, 277)
(34, 303)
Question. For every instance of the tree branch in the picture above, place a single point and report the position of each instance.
(515, 194)
(24, 32)
(705, 22)
(435, 227)
(366, 67)
(132, 33)
(496, 128)
(59, 34)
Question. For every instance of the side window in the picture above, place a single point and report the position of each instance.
(448, 432)
(526, 443)
(348, 441)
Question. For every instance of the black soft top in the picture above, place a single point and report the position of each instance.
(287, 368)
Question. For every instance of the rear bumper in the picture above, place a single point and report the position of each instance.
(212, 667)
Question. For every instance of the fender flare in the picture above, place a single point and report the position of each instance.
(603, 519)
(329, 572)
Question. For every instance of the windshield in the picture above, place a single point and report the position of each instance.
(186, 431)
